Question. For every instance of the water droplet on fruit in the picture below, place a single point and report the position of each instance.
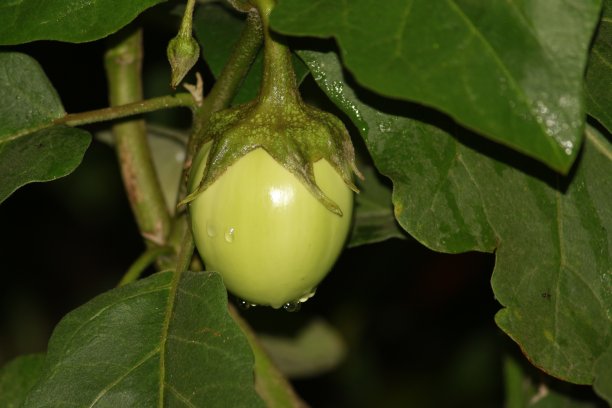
(210, 230)
(308, 295)
(293, 306)
(229, 235)
(244, 305)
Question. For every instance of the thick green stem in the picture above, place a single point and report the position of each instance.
(278, 84)
(123, 63)
(129, 109)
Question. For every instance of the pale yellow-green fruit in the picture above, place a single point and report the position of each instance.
(270, 239)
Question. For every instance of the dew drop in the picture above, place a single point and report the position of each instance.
(308, 295)
(229, 235)
(210, 230)
(384, 127)
(244, 305)
(568, 147)
(293, 306)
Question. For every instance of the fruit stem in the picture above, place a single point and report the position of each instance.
(123, 62)
(278, 84)
(187, 21)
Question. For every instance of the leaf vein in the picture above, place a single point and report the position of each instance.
(511, 80)
(180, 396)
(67, 343)
(143, 360)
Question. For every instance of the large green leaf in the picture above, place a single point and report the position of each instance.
(17, 378)
(551, 234)
(31, 150)
(108, 352)
(511, 70)
(66, 20)
(599, 71)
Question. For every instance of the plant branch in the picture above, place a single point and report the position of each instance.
(123, 63)
(143, 261)
(129, 109)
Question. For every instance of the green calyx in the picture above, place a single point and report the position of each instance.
(293, 133)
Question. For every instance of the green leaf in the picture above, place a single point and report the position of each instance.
(373, 220)
(603, 374)
(551, 234)
(216, 20)
(31, 150)
(525, 390)
(66, 20)
(17, 378)
(513, 71)
(316, 349)
(599, 71)
(108, 351)
(28, 100)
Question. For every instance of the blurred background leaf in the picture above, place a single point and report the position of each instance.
(373, 220)
(316, 349)
(18, 377)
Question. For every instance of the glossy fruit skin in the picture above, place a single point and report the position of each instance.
(264, 232)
